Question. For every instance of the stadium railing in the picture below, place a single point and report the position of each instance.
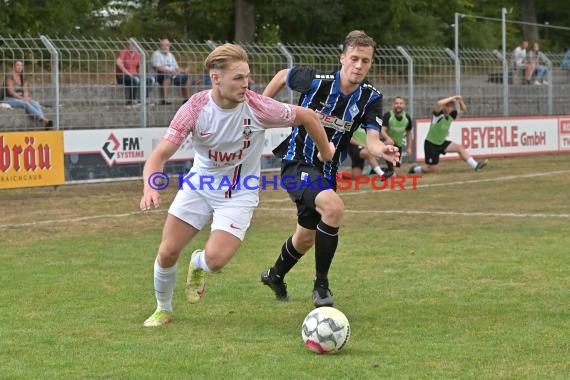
(82, 92)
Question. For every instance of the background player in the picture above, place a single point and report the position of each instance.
(436, 142)
(397, 125)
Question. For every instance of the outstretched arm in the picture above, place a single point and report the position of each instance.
(378, 149)
(442, 102)
(309, 119)
(276, 84)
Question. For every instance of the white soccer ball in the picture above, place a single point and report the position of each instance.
(325, 330)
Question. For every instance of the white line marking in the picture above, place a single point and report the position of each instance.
(450, 213)
(78, 219)
(417, 212)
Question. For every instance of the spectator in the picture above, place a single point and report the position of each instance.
(519, 60)
(168, 72)
(17, 94)
(519, 56)
(535, 67)
(127, 66)
(565, 65)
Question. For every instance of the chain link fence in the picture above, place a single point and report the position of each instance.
(74, 79)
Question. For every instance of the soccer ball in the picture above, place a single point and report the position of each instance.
(325, 330)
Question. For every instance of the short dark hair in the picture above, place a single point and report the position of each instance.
(358, 38)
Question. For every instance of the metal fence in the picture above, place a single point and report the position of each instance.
(74, 79)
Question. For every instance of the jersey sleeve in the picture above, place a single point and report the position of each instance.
(269, 112)
(373, 116)
(184, 122)
(453, 114)
(300, 78)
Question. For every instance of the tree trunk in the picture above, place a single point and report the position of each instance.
(244, 21)
(528, 14)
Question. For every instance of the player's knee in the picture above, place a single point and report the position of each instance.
(168, 254)
(332, 213)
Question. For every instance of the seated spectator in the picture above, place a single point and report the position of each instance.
(565, 65)
(519, 56)
(518, 59)
(168, 72)
(127, 66)
(17, 94)
(535, 66)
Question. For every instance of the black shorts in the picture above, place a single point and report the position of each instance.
(304, 182)
(354, 153)
(432, 151)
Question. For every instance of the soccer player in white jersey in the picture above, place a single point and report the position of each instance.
(227, 125)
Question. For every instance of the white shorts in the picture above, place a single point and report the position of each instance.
(196, 210)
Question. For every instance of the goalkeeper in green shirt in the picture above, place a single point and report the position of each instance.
(436, 142)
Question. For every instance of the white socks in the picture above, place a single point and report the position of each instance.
(471, 162)
(200, 261)
(378, 171)
(164, 282)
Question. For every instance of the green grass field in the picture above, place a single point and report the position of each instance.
(467, 277)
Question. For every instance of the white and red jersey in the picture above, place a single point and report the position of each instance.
(227, 142)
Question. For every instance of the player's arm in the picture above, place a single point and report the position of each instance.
(409, 135)
(462, 106)
(385, 136)
(378, 149)
(309, 119)
(384, 129)
(276, 84)
(442, 102)
(155, 163)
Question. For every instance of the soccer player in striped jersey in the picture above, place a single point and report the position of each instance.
(227, 125)
(436, 142)
(344, 101)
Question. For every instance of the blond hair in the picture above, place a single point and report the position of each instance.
(221, 56)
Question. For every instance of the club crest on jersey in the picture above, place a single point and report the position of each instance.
(247, 128)
(353, 110)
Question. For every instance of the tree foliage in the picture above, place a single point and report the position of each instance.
(403, 22)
